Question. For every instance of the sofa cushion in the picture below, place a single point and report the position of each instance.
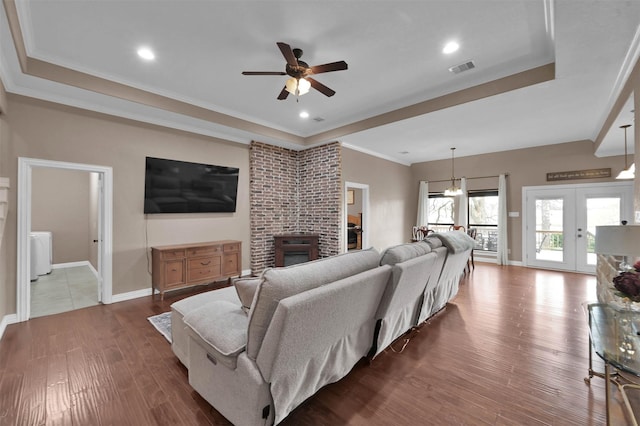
(222, 327)
(188, 304)
(246, 289)
(280, 283)
(433, 242)
(404, 252)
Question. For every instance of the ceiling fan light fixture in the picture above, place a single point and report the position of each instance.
(627, 172)
(297, 86)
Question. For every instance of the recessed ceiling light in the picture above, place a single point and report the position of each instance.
(304, 114)
(146, 54)
(450, 47)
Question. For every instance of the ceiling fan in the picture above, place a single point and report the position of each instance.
(299, 73)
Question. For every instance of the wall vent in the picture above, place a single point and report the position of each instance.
(462, 67)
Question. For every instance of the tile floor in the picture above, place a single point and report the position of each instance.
(64, 289)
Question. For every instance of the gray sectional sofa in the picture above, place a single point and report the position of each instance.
(257, 350)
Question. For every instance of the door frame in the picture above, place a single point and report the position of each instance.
(105, 228)
(365, 214)
(626, 208)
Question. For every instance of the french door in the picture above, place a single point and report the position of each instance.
(560, 222)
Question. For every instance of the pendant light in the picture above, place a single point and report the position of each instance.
(628, 172)
(453, 189)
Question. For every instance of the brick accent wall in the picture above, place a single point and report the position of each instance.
(293, 191)
(320, 171)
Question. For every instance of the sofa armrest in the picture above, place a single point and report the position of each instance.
(246, 289)
(220, 327)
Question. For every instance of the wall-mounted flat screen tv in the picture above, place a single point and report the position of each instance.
(173, 186)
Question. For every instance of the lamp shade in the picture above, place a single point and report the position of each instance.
(452, 191)
(297, 86)
(618, 240)
(629, 173)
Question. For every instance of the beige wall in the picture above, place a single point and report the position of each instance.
(390, 193)
(43, 130)
(526, 167)
(60, 204)
(7, 251)
(37, 129)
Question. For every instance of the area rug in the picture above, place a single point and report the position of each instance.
(162, 323)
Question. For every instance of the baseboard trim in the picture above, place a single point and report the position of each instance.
(6, 320)
(76, 265)
(147, 292)
(493, 261)
(130, 295)
(71, 264)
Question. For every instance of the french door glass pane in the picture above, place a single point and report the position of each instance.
(549, 229)
(600, 212)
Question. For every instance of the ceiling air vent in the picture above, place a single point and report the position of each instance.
(318, 119)
(462, 67)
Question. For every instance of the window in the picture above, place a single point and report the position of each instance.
(483, 216)
(440, 212)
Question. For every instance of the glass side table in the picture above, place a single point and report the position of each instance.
(614, 335)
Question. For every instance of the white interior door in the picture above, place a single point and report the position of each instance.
(560, 221)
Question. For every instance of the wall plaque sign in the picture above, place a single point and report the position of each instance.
(579, 174)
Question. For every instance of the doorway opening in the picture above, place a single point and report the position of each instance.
(356, 216)
(103, 238)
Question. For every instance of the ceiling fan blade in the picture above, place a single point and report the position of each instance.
(263, 73)
(283, 95)
(287, 52)
(321, 87)
(333, 66)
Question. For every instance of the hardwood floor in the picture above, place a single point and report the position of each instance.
(510, 350)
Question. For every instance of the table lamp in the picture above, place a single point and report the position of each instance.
(619, 240)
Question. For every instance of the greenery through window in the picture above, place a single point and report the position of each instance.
(483, 216)
(440, 212)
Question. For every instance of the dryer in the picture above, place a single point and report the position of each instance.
(41, 252)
